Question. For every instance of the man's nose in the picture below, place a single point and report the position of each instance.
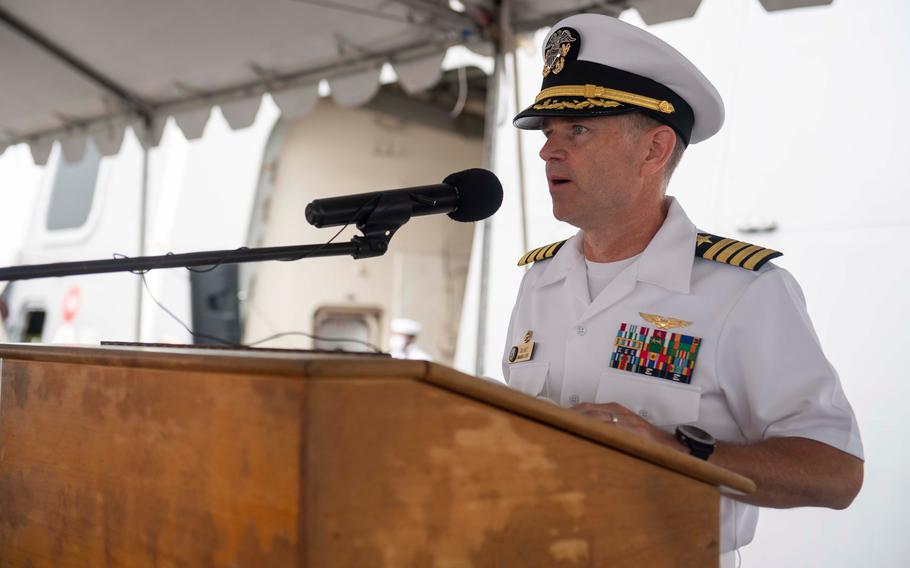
(552, 150)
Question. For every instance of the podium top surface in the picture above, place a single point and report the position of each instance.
(321, 366)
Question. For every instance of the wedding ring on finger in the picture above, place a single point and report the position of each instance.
(613, 418)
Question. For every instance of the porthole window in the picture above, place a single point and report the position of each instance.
(73, 191)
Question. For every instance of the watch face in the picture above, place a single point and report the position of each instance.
(697, 434)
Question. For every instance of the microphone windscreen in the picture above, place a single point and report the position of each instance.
(480, 193)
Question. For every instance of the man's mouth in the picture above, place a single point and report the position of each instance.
(556, 181)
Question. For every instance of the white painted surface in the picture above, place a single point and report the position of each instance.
(20, 181)
(201, 199)
(336, 151)
(200, 196)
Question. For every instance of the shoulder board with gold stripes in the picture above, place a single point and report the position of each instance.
(733, 252)
(541, 253)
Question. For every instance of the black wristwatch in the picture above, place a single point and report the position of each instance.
(700, 443)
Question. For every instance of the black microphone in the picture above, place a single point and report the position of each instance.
(469, 195)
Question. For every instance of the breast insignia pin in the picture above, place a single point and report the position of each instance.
(662, 322)
(524, 351)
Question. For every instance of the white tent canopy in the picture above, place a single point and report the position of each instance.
(90, 68)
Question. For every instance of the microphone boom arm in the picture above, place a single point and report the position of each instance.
(388, 215)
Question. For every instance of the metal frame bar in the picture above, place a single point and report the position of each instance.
(129, 100)
(271, 84)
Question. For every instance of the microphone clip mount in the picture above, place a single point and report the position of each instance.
(392, 210)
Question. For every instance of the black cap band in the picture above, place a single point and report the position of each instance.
(631, 93)
(573, 87)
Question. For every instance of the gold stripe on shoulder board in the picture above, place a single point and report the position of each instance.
(541, 253)
(733, 252)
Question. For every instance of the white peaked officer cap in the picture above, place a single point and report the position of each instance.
(405, 326)
(596, 65)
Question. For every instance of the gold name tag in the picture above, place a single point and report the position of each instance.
(524, 351)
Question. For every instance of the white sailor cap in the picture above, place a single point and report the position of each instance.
(596, 65)
(405, 326)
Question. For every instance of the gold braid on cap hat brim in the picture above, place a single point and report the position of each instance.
(550, 104)
(597, 92)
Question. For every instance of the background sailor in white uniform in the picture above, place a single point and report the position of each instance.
(403, 340)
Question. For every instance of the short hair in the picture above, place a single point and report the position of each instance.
(637, 123)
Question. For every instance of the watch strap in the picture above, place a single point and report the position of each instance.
(698, 449)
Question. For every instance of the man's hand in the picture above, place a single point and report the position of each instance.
(621, 417)
(789, 472)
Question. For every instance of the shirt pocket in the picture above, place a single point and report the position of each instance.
(659, 401)
(529, 378)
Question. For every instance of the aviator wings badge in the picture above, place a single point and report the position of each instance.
(661, 322)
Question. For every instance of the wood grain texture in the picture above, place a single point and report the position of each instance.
(503, 397)
(323, 367)
(403, 474)
(125, 457)
(218, 360)
(111, 466)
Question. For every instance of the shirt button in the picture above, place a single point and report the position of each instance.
(574, 399)
(581, 330)
(644, 413)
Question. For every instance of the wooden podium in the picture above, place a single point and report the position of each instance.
(164, 457)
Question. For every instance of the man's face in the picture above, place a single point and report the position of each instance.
(592, 168)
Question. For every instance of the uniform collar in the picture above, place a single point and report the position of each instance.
(666, 262)
(568, 257)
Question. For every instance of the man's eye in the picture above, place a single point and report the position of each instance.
(578, 129)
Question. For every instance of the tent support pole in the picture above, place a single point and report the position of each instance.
(145, 136)
(489, 144)
(491, 123)
(520, 157)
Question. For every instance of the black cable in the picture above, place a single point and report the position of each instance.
(178, 320)
(217, 264)
(328, 242)
(316, 337)
(142, 272)
(254, 343)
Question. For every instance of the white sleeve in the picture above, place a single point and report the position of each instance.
(773, 372)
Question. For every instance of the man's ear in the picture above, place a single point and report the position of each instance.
(661, 140)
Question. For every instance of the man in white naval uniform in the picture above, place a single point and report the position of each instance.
(645, 322)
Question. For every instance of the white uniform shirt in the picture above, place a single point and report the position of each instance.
(759, 372)
(600, 274)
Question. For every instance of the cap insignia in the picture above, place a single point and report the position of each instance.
(558, 47)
